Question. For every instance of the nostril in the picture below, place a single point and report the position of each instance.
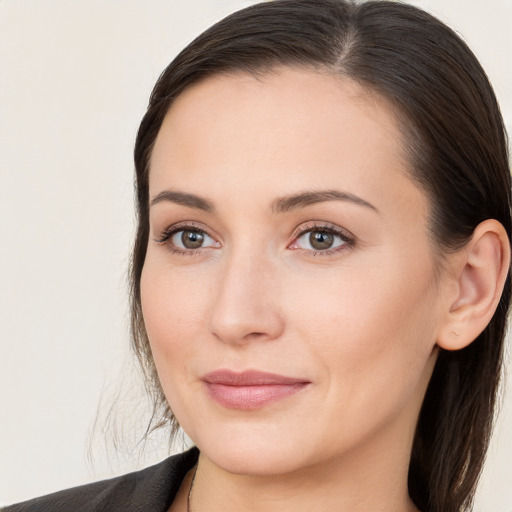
(251, 328)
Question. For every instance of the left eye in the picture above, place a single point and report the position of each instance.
(319, 240)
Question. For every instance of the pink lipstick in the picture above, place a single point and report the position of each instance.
(251, 389)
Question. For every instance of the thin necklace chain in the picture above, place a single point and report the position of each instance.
(190, 490)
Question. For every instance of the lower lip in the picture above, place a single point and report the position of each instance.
(252, 397)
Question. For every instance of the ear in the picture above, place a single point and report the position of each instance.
(480, 270)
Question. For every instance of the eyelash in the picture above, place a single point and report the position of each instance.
(166, 236)
(347, 238)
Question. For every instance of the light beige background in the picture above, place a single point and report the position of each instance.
(75, 76)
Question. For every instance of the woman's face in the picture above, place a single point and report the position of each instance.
(288, 291)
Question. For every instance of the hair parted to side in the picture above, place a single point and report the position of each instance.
(454, 136)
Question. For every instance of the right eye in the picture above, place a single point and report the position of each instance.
(191, 239)
(186, 239)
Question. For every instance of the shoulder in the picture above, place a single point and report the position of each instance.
(151, 489)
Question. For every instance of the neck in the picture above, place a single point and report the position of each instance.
(370, 478)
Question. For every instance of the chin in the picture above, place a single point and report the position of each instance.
(254, 461)
(252, 453)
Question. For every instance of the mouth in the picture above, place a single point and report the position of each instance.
(251, 389)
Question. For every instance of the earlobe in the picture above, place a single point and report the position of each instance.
(482, 268)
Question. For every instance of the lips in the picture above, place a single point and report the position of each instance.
(250, 389)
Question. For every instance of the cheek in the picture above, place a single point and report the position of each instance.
(372, 330)
(172, 306)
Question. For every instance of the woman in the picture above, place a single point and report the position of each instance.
(321, 268)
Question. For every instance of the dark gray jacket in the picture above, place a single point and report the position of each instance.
(150, 490)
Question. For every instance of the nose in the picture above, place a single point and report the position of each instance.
(246, 306)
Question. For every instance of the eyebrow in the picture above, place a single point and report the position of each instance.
(185, 199)
(279, 205)
(297, 201)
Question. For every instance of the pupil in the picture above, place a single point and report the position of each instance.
(192, 239)
(321, 240)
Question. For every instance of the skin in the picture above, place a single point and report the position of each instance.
(359, 323)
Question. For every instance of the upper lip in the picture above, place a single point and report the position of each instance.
(250, 378)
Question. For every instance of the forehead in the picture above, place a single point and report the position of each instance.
(288, 128)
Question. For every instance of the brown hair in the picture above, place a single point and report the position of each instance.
(454, 136)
